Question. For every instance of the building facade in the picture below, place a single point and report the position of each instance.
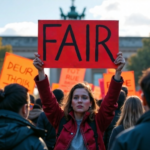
(27, 46)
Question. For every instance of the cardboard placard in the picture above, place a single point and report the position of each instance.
(17, 69)
(101, 84)
(92, 86)
(129, 81)
(69, 77)
(55, 86)
(111, 71)
(139, 94)
(78, 43)
(97, 92)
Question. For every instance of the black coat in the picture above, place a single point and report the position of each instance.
(114, 134)
(43, 123)
(135, 138)
(110, 128)
(17, 133)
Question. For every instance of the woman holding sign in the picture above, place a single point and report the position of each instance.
(79, 127)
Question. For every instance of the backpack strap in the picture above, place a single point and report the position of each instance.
(62, 122)
(92, 124)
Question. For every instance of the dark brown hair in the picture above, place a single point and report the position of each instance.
(68, 107)
(144, 82)
(13, 97)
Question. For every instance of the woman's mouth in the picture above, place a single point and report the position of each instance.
(79, 106)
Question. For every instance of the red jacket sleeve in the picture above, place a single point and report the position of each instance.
(109, 104)
(49, 103)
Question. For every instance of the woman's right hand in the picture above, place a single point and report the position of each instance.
(37, 62)
(39, 66)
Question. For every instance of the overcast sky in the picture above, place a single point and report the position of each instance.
(20, 17)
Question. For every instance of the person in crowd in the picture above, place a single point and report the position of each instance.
(59, 94)
(80, 110)
(16, 132)
(32, 99)
(132, 110)
(137, 138)
(121, 100)
(38, 101)
(146, 107)
(125, 89)
(43, 122)
(99, 102)
(35, 113)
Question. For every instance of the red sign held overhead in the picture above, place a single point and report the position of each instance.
(101, 84)
(78, 44)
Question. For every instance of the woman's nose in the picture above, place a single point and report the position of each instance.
(80, 99)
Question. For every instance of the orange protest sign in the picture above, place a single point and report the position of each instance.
(69, 77)
(129, 81)
(97, 92)
(19, 70)
(55, 86)
(139, 94)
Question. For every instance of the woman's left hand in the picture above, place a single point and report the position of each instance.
(120, 61)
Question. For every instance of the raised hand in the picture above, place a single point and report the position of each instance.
(120, 61)
(39, 66)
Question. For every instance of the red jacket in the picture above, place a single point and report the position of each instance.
(103, 118)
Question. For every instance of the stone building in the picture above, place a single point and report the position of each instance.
(27, 46)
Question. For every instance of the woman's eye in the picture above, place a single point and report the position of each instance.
(75, 97)
(84, 97)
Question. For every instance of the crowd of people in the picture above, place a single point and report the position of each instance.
(77, 121)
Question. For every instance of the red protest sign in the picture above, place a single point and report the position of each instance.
(129, 81)
(69, 77)
(78, 44)
(101, 84)
(97, 92)
(19, 70)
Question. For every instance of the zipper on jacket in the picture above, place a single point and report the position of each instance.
(84, 139)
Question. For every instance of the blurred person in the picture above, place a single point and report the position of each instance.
(59, 94)
(16, 132)
(38, 101)
(132, 110)
(121, 100)
(99, 102)
(125, 89)
(35, 113)
(43, 122)
(146, 107)
(80, 110)
(32, 99)
(137, 138)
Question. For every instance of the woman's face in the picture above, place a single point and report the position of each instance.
(80, 101)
